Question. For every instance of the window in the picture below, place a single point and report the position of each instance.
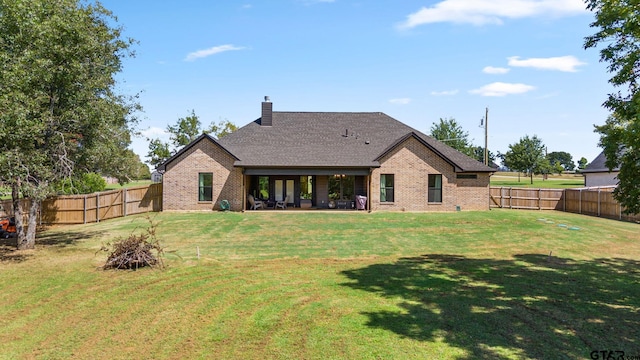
(263, 187)
(306, 187)
(435, 188)
(205, 187)
(341, 187)
(386, 188)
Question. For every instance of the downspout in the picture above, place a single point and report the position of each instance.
(369, 190)
(244, 191)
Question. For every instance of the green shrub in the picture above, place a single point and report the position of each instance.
(86, 183)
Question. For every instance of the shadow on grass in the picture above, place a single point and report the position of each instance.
(534, 306)
(62, 239)
(9, 253)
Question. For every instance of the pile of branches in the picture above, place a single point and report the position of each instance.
(135, 251)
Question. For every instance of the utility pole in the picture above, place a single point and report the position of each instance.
(485, 123)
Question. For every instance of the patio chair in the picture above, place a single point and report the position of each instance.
(282, 204)
(255, 204)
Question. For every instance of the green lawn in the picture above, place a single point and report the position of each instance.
(553, 181)
(497, 284)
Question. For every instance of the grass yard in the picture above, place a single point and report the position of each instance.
(330, 285)
(553, 181)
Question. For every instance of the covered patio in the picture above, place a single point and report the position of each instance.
(306, 188)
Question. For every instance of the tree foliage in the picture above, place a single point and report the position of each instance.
(618, 31)
(81, 184)
(527, 155)
(59, 110)
(582, 163)
(564, 158)
(184, 131)
(451, 133)
(221, 129)
(478, 154)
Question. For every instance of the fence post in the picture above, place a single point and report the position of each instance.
(97, 207)
(84, 213)
(539, 198)
(580, 202)
(620, 210)
(124, 201)
(598, 202)
(510, 199)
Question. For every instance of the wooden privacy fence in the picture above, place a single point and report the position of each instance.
(595, 202)
(82, 209)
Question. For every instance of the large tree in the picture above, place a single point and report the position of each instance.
(59, 112)
(618, 31)
(451, 133)
(564, 158)
(184, 131)
(527, 155)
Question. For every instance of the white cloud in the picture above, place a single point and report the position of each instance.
(481, 12)
(561, 63)
(495, 70)
(400, 101)
(502, 89)
(444, 93)
(154, 132)
(211, 51)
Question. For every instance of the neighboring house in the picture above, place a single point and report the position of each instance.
(328, 158)
(156, 177)
(598, 174)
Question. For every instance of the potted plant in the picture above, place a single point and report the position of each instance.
(305, 200)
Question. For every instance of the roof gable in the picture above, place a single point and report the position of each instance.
(203, 137)
(413, 135)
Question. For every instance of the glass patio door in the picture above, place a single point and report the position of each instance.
(284, 188)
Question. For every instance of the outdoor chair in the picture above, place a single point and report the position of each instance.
(255, 204)
(282, 204)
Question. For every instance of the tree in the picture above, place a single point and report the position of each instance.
(618, 30)
(184, 131)
(564, 158)
(449, 132)
(478, 154)
(558, 167)
(60, 112)
(221, 129)
(86, 183)
(158, 152)
(582, 163)
(527, 155)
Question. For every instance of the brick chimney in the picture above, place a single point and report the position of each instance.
(267, 112)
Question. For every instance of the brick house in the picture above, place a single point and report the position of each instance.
(324, 160)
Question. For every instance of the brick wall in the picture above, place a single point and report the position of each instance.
(411, 163)
(180, 180)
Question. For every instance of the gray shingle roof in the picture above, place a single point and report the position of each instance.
(598, 165)
(330, 139)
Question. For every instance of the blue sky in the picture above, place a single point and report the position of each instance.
(417, 61)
